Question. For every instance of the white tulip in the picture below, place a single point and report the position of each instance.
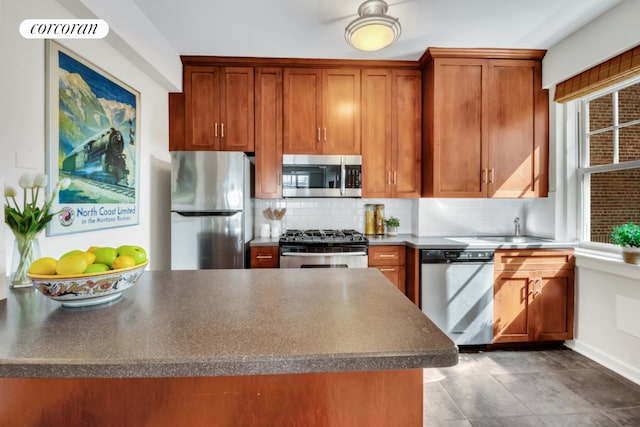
(65, 183)
(10, 191)
(40, 180)
(26, 180)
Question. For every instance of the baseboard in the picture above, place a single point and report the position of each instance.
(630, 372)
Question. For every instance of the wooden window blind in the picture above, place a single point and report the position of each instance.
(613, 71)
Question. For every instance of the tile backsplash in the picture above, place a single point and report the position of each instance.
(422, 217)
(333, 213)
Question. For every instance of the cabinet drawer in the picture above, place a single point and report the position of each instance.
(386, 255)
(265, 257)
(534, 259)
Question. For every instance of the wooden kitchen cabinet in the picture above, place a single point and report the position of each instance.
(265, 257)
(390, 260)
(268, 147)
(485, 125)
(219, 108)
(321, 111)
(391, 117)
(176, 121)
(533, 295)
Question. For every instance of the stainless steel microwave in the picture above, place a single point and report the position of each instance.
(321, 176)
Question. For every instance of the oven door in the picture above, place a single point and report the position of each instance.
(324, 260)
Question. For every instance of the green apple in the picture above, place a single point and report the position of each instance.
(105, 255)
(97, 268)
(138, 254)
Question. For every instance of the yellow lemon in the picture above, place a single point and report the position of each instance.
(90, 257)
(123, 261)
(72, 264)
(92, 248)
(45, 266)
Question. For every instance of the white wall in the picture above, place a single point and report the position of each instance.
(614, 32)
(608, 315)
(600, 282)
(22, 147)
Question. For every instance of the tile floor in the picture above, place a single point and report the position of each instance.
(541, 388)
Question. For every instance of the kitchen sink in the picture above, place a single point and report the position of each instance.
(513, 239)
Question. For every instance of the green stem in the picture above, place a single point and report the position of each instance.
(26, 254)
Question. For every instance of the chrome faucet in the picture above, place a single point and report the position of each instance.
(516, 222)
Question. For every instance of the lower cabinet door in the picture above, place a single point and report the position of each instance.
(396, 275)
(533, 306)
(511, 301)
(553, 303)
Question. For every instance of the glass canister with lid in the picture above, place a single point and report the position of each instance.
(369, 219)
(379, 219)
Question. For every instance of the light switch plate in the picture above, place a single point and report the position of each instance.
(26, 160)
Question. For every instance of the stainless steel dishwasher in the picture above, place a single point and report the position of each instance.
(457, 293)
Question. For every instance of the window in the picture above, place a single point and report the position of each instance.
(609, 170)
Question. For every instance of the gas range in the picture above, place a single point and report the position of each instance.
(323, 249)
(324, 237)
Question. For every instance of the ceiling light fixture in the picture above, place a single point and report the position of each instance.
(374, 29)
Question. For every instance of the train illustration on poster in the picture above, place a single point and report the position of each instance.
(93, 124)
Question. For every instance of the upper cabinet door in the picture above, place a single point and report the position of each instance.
(219, 108)
(376, 133)
(391, 137)
(517, 135)
(459, 127)
(302, 111)
(405, 135)
(341, 112)
(202, 107)
(268, 173)
(237, 109)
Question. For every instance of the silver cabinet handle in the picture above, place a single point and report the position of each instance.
(325, 134)
(222, 130)
(485, 175)
(394, 256)
(318, 134)
(493, 172)
(215, 132)
(264, 256)
(389, 177)
(395, 177)
(387, 269)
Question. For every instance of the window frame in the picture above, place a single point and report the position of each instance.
(583, 169)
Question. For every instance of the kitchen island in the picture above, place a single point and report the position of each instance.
(222, 347)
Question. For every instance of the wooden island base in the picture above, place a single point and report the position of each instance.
(369, 398)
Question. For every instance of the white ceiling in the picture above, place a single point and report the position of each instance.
(315, 28)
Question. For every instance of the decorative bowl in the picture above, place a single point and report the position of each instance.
(83, 290)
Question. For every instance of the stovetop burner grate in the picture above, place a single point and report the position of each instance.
(329, 236)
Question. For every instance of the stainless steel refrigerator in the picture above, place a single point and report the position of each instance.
(211, 218)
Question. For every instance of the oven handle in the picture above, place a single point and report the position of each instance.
(323, 253)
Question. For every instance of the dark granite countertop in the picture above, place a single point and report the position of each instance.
(223, 322)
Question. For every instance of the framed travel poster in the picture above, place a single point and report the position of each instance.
(93, 139)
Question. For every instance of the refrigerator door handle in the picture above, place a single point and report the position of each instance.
(204, 213)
